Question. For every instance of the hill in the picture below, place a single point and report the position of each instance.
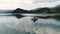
(45, 10)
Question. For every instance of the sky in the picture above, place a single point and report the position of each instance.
(27, 4)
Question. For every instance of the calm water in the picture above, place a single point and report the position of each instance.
(12, 25)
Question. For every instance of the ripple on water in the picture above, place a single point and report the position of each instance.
(24, 25)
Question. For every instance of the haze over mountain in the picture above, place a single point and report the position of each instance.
(6, 11)
(45, 10)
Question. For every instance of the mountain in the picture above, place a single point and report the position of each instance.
(5, 11)
(56, 9)
(41, 10)
(45, 10)
(19, 10)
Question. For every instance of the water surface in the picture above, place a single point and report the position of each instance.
(12, 25)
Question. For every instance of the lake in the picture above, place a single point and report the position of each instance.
(24, 25)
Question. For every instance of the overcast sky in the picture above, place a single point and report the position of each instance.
(27, 4)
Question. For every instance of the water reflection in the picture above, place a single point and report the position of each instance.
(57, 17)
(12, 25)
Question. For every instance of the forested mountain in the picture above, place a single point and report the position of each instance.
(45, 10)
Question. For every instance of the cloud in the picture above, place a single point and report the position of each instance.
(36, 1)
(27, 4)
(48, 4)
(8, 4)
(40, 4)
